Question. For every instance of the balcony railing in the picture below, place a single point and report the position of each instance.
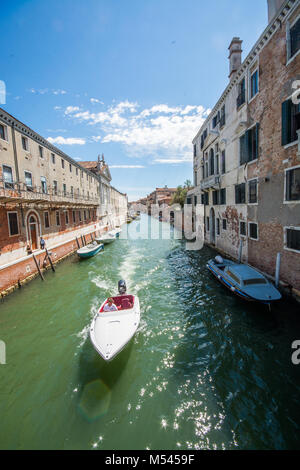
(18, 191)
(210, 182)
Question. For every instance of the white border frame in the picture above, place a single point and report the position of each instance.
(285, 201)
(285, 238)
(250, 238)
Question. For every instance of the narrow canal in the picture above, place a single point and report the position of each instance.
(205, 370)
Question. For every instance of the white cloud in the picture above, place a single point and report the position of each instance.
(172, 161)
(126, 166)
(59, 92)
(95, 101)
(71, 109)
(66, 141)
(163, 132)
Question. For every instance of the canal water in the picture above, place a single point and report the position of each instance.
(204, 371)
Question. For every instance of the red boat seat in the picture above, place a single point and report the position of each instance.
(126, 304)
(123, 302)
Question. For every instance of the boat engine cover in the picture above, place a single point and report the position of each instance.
(122, 287)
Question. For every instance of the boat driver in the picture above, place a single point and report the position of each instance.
(110, 306)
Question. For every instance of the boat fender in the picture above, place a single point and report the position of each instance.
(219, 259)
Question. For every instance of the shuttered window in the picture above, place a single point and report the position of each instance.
(224, 224)
(204, 199)
(249, 145)
(215, 198)
(254, 84)
(240, 193)
(212, 162)
(218, 226)
(290, 122)
(223, 162)
(223, 196)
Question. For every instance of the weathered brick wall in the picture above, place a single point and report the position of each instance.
(275, 86)
(17, 273)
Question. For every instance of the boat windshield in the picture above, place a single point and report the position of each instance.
(251, 282)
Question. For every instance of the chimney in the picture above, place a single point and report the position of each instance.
(273, 8)
(235, 56)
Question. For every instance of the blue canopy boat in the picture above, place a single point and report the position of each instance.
(243, 281)
(89, 250)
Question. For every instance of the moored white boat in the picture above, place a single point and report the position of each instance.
(106, 238)
(111, 331)
(89, 250)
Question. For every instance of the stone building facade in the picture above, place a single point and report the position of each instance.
(161, 196)
(46, 194)
(247, 152)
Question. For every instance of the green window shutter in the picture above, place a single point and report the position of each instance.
(286, 122)
(249, 146)
(256, 155)
(243, 149)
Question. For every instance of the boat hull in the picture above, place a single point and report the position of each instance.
(110, 332)
(105, 241)
(89, 254)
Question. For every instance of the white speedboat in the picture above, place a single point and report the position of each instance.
(111, 331)
(106, 238)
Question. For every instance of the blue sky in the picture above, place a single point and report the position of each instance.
(132, 79)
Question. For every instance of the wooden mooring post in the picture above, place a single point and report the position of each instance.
(38, 267)
(50, 260)
(78, 244)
